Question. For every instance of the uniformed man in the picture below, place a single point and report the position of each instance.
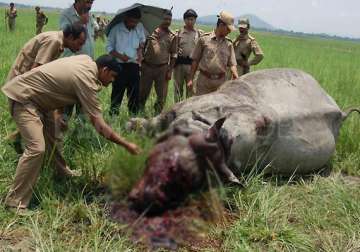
(42, 49)
(10, 16)
(159, 59)
(35, 94)
(41, 20)
(186, 39)
(213, 56)
(244, 45)
(100, 29)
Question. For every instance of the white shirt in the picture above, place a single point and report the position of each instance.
(126, 41)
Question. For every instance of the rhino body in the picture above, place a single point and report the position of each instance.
(280, 119)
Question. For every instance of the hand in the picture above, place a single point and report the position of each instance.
(168, 75)
(124, 58)
(133, 148)
(190, 84)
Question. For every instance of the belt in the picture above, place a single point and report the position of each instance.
(155, 65)
(183, 61)
(212, 76)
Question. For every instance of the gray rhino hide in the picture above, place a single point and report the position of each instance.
(280, 119)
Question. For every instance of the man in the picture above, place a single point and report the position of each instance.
(125, 42)
(159, 59)
(10, 16)
(214, 55)
(100, 29)
(41, 20)
(47, 47)
(42, 49)
(186, 39)
(35, 94)
(73, 15)
(244, 45)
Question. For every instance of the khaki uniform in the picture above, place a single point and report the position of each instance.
(100, 29)
(33, 96)
(186, 41)
(11, 15)
(244, 46)
(41, 21)
(214, 57)
(41, 49)
(160, 47)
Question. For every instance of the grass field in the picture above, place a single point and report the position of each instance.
(315, 214)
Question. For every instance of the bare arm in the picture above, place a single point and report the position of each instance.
(120, 56)
(194, 67)
(234, 72)
(106, 131)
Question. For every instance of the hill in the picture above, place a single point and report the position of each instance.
(255, 21)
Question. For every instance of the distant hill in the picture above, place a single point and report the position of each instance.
(255, 21)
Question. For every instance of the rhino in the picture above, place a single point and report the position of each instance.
(279, 120)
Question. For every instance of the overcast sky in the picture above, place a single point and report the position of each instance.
(328, 16)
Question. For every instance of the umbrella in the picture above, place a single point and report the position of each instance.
(151, 17)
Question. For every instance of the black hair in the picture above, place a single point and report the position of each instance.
(134, 13)
(190, 13)
(11, 4)
(168, 13)
(108, 61)
(219, 22)
(74, 30)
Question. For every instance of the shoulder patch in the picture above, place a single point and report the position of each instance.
(251, 37)
(229, 39)
(206, 34)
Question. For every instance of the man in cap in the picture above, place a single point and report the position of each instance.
(214, 55)
(159, 59)
(35, 94)
(100, 28)
(42, 49)
(10, 16)
(41, 20)
(244, 45)
(186, 39)
(125, 42)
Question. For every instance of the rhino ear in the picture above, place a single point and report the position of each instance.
(214, 130)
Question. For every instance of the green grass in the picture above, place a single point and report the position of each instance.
(317, 214)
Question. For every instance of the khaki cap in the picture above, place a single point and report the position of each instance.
(228, 19)
(244, 23)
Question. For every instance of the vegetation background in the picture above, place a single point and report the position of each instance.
(272, 214)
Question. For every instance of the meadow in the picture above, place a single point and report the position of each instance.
(270, 214)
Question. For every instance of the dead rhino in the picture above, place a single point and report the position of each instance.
(278, 119)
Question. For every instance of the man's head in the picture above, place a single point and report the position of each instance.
(84, 16)
(74, 36)
(84, 4)
(37, 8)
(108, 67)
(190, 17)
(12, 5)
(244, 26)
(225, 24)
(132, 18)
(166, 20)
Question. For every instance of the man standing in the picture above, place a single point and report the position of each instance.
(159, 59)
(41, 20)
(100, 29)
(214, 55)
(186, 39)
(244, 45)
(10, 16)
(125, 42)
(35, 94)
(73, 15)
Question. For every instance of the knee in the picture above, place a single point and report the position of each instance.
(36, 149)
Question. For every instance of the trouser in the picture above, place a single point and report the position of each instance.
(39, 133)
(242, 70)
(11, 22)
(150, 74)
(68, 111)
(204, 85)
(128, 79)
(181, 76)
(39, 29)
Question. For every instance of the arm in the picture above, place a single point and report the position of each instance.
(258, 53)
(194, 67)
(234, 72)
(106, 131)
(111, 46)
(232, 63)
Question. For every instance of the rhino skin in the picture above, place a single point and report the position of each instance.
(279, 119)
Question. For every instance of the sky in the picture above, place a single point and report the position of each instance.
(313, 16)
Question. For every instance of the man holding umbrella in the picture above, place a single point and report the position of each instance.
(125, 42)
